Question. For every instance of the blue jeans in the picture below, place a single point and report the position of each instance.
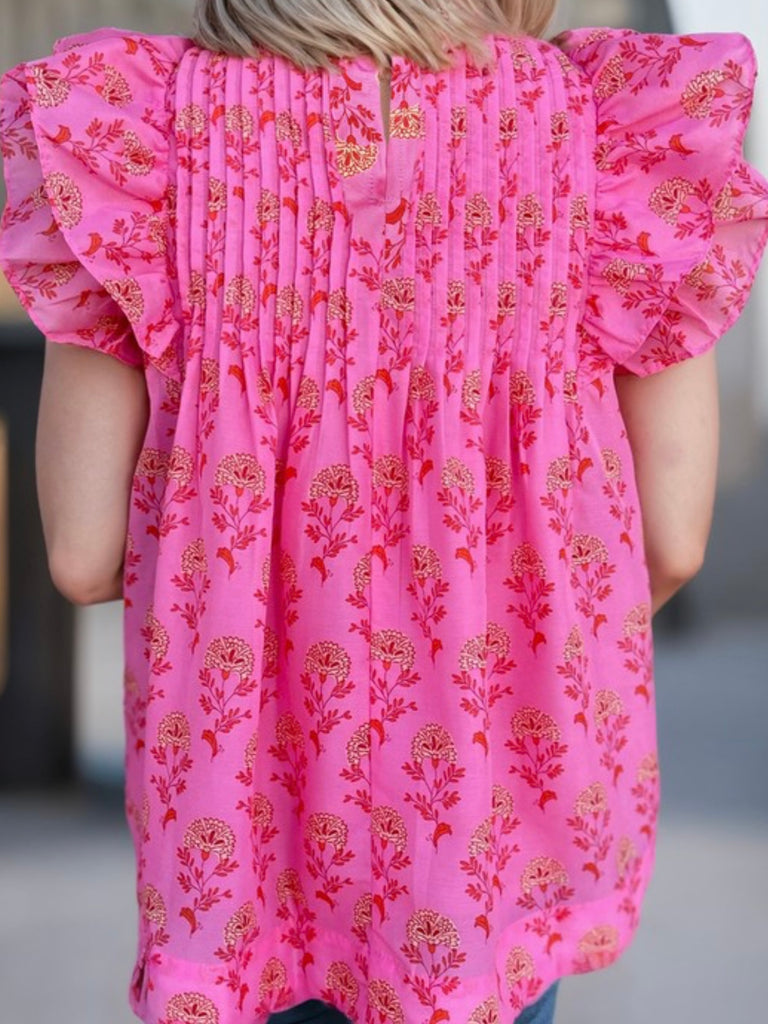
(315, 1011)
(542, 1011)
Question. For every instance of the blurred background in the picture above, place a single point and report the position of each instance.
(67, 913)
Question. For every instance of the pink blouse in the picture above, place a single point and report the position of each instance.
(389, 685)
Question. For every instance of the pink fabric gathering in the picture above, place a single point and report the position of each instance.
(389, 687)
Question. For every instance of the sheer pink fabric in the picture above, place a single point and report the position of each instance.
(389, 689)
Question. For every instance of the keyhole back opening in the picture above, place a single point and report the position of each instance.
(385, 86)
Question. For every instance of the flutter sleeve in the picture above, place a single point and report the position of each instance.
(681, 218)
(84, 236)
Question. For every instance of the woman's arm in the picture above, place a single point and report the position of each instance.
(673, 424)
(90, 428)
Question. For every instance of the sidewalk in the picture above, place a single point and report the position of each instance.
(66, 870)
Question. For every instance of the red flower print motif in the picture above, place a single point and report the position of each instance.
(240, 932)
(621, 274)
(362, 916)
(360, 595)
(206, 854)
(533, 237)
(489, 855)
(333, 501)
(341, 987)
(536, 743)
(290, 595)
(190, 1008)
(383, 998)
(396, 654)
(135, 702)
(226, 656)
(389, 838)
(612, 79)
(669, 199)
(420, 415)
(472, 404)
(560, 482)
(523, 413)
(480, 236)
(357, 769)
(390, 503)
(407, 122)
(139, 159)
(456, 495)
(615, 490)
(498, 481)
(289, 749)
(352, 158)
(591, 817)
(554, 337)
(545, 888)
(65, 197)
(326, 659)
(598, 948)
(399, 294)
(274, 989)
(237, 516)
(428, 588)
(528, 576)
(636, 643)
(207, 409)
(611, 723)
(132, 559)
(51, 87)
(171, 753)
(575, 669)
(718, 95)
(508, 124)
(481, 658)
(454, 321)
(240, 312)
(590, 572)
(195, 580)
(295, 911)
(432, 746)
(162, 479)
(646, 793)
(521, 977)
(307, 419)
(261, 814)
(629, 867)
(486, 1012)
(458, 123)
(157, 637)
(426, 931)
(560, 127)
(115, 88)
(154, 916)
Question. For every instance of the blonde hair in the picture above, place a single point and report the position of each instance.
(310, 32)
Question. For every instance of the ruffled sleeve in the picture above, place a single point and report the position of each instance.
(681, 219)
(84, 236)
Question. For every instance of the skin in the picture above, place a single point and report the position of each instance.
(91, 423)
(93, 415)
(673, 426)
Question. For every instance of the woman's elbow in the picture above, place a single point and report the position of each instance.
(80, 586)
(677, 566)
